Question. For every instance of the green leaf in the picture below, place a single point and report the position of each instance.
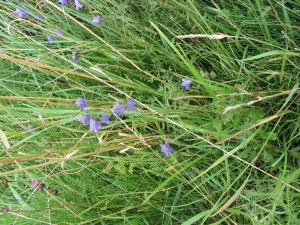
(196, 218)
(271, 54)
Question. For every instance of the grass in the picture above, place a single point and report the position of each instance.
(235, 131)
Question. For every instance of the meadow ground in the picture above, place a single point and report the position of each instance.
(198, 103)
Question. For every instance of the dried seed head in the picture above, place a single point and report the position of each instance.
(4, 181)
(5, 209)
(36, 183)
(52, 191)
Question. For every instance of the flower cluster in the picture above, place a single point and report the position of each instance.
(77, 3)
(39, 17)
(37, 184)
(118, 109)
(81, 103)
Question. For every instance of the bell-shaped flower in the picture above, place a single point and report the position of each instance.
(97, 19)
(117, 108)
(30, 127)
(130, 104)
(39, 16)
(81, 103)
(94, 125)
(186, 82)
(20, 12)
(78, 4)
(166, 148)
(50, 39)
(59, 32)
(105, 119)
(85, 119)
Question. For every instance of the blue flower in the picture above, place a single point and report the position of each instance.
(97, 19)
(105, 119)
(166, 148)
(186, 82)
(40, 16)
(85, 119)
(130, 104)
(59, 32)
(94, 126)
(30, 127)
(78, 4)
(75, 57)
(50, 39)
(81, 103)
(63, 2)
(20, 12)
(117, 108)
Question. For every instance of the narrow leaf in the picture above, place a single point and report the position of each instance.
(232, 199)
(270, 54)
(196, 218)
(293, 91)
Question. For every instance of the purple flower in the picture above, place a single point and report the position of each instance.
(85, 119)
(30, 127)
(186, 82)
(75, 57)
(97, 19)
(130, 104)
(63, 2)
(105, 119)
(81, 103)
(50, 39)
(20, 12)
(38, 15)
(117, 108)
(58, 32)
(36, 183)
(94, 126)
(166, 148)
(78, 4)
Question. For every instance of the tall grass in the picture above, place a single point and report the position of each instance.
(234, 132)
